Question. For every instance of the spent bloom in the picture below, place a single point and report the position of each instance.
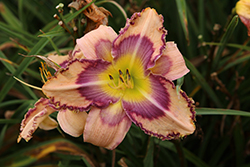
(110, 81)
(243, 10)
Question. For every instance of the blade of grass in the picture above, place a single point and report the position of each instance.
(9, 17)
(32, 153)
(35, 50)
(12, 64)
(10, 82)
(20, 13)
(202, 82)
(9, 121)
(11, 102)
(15, 35)
(181, 7)
(12, 70)
(229, 31)
(7, 65)
(32, 7)
(149, 158)
(2, 134)
(60, 32)
(236, 62)
(20, 32)
(239, 46)
(189, 155)
(219, 151)
(216, 111)
(239, 144)
(21, 109)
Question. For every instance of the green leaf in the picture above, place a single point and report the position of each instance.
(149, 158)
(10, 82)
(32, 153)
(9, 17)
(9, 121)
(181, 7)
(239, 142)
(15, 35)
(202, 82)
(11, 102)
(215, 111)
(7, 65)
(60, 32)
(189, 155)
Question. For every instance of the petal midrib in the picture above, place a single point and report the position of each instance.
(154, 102)
(139, 41)
(71, 87)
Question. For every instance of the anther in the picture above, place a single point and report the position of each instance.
(110, 77)
(121, 79)
(120, 72)
(128, 74)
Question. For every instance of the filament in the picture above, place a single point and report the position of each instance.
(32, 86)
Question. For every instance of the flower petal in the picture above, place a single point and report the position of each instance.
(82, 84)
(160, 111)
(34, 117)
(72, 122)
(171, 64)
(106, 127)
(143, 37)
(97, 43)
(60, 60)
(48, 124)
(243, 10)
(77, 53)
(63, 61)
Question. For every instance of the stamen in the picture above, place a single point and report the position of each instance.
(128, 74)
(32, 86)
(124, 81)
(41, 73)
(45, 74)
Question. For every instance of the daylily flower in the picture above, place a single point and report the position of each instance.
(243, 10)
(122, 79)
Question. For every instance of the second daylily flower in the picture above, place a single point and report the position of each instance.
(121, 79)
(243, 10)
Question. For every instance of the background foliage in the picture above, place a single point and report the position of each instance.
(215, 45)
